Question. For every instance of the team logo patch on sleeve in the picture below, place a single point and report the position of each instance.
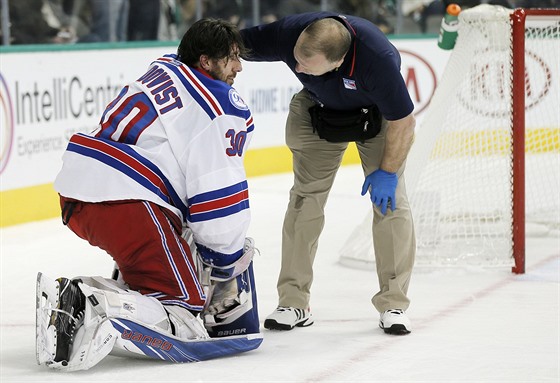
(349, 84)
(236, 100)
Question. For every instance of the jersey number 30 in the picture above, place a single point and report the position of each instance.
(237, 142)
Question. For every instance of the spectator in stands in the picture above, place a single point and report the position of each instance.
(538, 3)
(143, 20)
(421, 11)
(290, 7)
(374, 11)
(231, 11)
(27, 23)
(70, 17)
(109, 21)
(151, 20)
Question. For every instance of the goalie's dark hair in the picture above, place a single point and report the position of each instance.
(212, 37)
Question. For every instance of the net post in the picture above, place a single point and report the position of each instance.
(518, 138)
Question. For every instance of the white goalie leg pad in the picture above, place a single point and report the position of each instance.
(115, 301)
(96, 336)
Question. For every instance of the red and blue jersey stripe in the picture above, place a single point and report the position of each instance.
(194, 86)
(126, 160)
(218, 203)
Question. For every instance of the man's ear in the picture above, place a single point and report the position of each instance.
(204, 61)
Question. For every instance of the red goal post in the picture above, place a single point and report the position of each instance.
(486, 158)
(518, 20)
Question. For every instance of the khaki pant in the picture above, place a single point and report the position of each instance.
(315, 163)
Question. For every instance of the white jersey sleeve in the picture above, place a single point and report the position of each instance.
(177, 138)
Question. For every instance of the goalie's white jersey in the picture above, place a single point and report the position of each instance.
(174, 137)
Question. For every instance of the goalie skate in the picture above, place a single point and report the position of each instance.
(59, 309)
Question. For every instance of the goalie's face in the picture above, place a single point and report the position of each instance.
(224, 69)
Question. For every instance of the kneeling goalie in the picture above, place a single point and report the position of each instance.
(160, 186)
(80, 321)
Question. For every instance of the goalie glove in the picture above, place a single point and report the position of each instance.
(224, 297)
(221, 281)
(231, 298)
(231, 307)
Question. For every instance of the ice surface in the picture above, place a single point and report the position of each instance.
(470, 325)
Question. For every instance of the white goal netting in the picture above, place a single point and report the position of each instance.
(459, 170)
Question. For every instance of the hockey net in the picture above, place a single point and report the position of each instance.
(481, 172)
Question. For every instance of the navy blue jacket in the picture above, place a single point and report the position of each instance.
(370, 73)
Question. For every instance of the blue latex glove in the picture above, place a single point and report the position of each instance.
(382, 186)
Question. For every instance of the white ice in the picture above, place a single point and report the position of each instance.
(470, 325)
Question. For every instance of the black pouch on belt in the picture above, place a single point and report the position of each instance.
(345, 125)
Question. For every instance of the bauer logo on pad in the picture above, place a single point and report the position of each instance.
(349, 84)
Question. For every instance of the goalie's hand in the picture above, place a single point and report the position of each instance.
(382, 186)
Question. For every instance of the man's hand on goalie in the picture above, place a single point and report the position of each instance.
(382, 186)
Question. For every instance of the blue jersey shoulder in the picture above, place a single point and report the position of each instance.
(212, 92)
(229, 99)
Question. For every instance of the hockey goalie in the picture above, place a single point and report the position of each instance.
(160, 186)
